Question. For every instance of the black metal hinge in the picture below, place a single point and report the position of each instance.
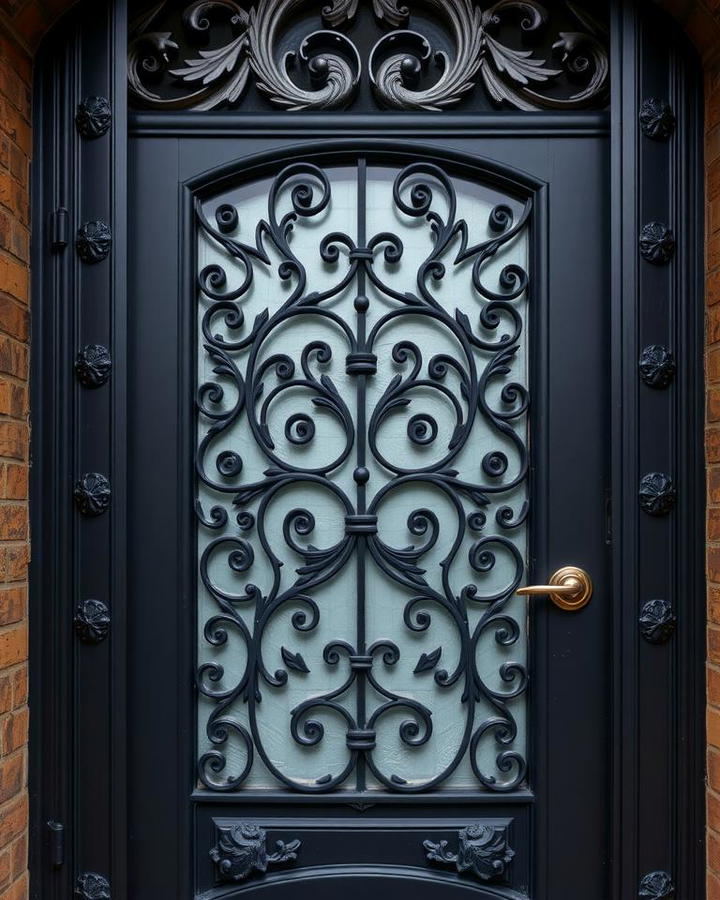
(57, 844)
(59, 228)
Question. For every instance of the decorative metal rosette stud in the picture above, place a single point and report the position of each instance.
(657, 494)
(93, 117)
(657, 366)
(93, 242)
(92, 494)
(657, 243)
(93, 365)
(91, 886)
(242, 849)
(482, 849)
(92, 621)
(657, 120)
(656, 886)
(657, 621)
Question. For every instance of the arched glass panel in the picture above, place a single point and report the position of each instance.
(362, 481)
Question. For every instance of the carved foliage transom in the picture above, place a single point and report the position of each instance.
(430, 56)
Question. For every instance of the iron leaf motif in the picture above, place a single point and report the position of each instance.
(482, 849)
(428, 661)
(656, 886)
(242, 849)
(91, 886)
(171, 71)
(657, 621)
(294, 660)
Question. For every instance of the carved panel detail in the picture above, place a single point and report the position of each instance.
(482, 850)
(242, 849)
(521, 54)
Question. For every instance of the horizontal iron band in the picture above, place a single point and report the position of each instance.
(361, 662)
(361, 525)
(361, 364)
(361, 253)
(360, 739)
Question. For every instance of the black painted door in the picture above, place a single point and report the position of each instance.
(318, 393)
(368, 401)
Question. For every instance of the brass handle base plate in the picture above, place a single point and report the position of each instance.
(570, 588)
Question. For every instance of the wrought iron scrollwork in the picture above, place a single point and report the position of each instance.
(251, 378)
(225, 46)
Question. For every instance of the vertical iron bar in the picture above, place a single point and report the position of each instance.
(361, 306)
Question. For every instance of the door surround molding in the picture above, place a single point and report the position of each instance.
(627, 182)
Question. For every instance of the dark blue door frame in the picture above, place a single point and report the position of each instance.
(85, 687)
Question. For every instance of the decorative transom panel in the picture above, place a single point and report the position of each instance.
(431, 56)
(362, 480)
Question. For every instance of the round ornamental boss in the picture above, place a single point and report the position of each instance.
(93, 117)
(657, 366)
(657, 494)
(92, 621)
(657, 119)
(92, 494)
(93, 242)
(93, 365)
(657, 243)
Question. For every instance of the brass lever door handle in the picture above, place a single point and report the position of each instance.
(570, 588)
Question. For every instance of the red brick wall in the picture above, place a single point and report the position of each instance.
(15, 148)
(22, 24)
(712, 447)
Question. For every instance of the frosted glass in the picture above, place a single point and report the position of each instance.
(361, 491)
